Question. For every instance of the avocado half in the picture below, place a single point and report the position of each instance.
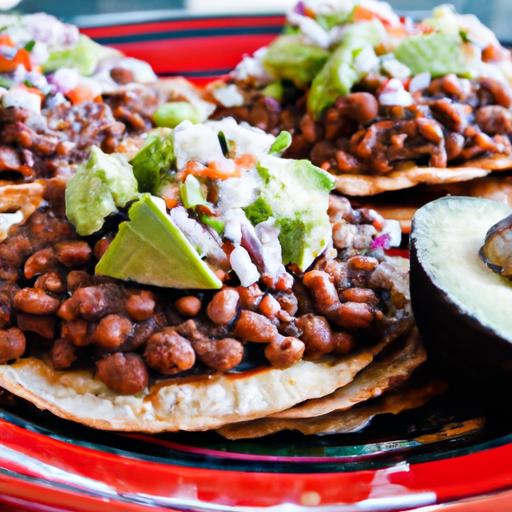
(463, 309)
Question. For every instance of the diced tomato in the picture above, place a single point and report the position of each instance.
(246, 161)
(80, 94)
(424, 28)
(22, 58)
(399, 32)
(6, 40)
(213, 171)
(309, 12)
(363, 14)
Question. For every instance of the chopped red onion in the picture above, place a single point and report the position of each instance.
(381, 242)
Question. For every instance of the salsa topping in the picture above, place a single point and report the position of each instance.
(385, 93)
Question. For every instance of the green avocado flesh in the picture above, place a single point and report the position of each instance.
(296, 194)
(448, 234)
(151, 249)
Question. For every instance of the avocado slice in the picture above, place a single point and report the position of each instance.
(151, 249)
(462, 307)
(296, 194)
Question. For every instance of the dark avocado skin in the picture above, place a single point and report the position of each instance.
(456, 341)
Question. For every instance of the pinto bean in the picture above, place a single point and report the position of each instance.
(501, 92)
(101, 246)
(325, 296)
(68, 310)
(366, 263)
(78, 279)
(41, 261)
(269, 306)
(366, 295)
(140, 306)
(288, 302)
(42, 325)
(169, 353)
(284, 352)
(223, 307)
(112, 331)
(50, 282)
(62, 354)
(142, 331)
(344, 342)
(362, 107)
(35, 301)
(316, 335)
(12, 344)
(93, 302)
(221, 355)
(188, 306)
(73, 254)
(254, 327)
(75, 331)
(353, 315)
(125, 374)
(250, 296)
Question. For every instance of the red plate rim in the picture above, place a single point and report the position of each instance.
(37, 459)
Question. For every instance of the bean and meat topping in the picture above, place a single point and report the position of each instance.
(51, 143)
(451, 121)
(52, 305)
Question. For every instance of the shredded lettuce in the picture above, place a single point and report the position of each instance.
(282, 143)
(289, 57)
(339, 74)
(83, 57)
(438, 54)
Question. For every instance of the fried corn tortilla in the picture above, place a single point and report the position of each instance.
(386, 373)
(402, 209)
(17, 203)
(342, 422)
(192, 404)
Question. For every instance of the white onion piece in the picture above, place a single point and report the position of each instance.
(268, 233)
(20, 98)
(393, 229)
(243, 267)
(420, 82)
(394, 94)
(228, 96)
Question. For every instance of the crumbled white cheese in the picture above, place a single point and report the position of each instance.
(228, 96)
(196, 143)
(251, 67)
(233, 224)
(395, 68)
(420, 82)
(243, 267)
(310, 28)
(366, 61)
(394, 94)
(20, 98)
(393, 229)
(239, 192)
(246, 138)
(142, 72)
(268, 234)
